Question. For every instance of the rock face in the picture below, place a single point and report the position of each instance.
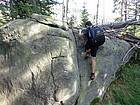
(41, 63)
(109, 60)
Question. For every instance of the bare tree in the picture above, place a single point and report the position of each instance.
(65, 9)
(125, 10)
(122, 10)
(97, 12)
(128, 9)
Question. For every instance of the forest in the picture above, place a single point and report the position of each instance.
(124, 90)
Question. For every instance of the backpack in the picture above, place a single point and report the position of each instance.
(97, 34)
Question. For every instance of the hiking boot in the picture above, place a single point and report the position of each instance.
(92, 76)
(87, 55)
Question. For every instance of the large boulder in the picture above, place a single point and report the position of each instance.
(41, 63)
(37, 65)
(110, 57)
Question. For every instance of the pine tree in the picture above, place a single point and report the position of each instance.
(119, 8)
(84, 15)
(25, 8)
(128, 9)
(138, 10)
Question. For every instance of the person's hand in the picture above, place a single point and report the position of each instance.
(80, 31)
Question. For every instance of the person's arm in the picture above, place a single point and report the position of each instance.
(80, 33)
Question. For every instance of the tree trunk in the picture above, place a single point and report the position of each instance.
(67, 9)
(127, 37)
(97, 13)
(117, 25)
(63, 10)
(122, 10)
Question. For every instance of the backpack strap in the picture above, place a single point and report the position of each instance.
(91, 33)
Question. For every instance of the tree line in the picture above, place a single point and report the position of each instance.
(128, 9)
(21, 9)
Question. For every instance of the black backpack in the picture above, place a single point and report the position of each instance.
(97, 34)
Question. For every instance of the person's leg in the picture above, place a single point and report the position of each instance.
(87, 53)
(87, 50)
(93, 61)
(93, 66)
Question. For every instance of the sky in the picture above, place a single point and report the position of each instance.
(105, 9)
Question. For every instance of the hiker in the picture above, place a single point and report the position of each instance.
(95, 38)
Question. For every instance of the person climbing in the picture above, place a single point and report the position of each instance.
(95, 38)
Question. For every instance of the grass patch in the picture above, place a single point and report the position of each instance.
(96, 100)
(126, 89)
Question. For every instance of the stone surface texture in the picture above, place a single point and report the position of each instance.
(41, 63)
